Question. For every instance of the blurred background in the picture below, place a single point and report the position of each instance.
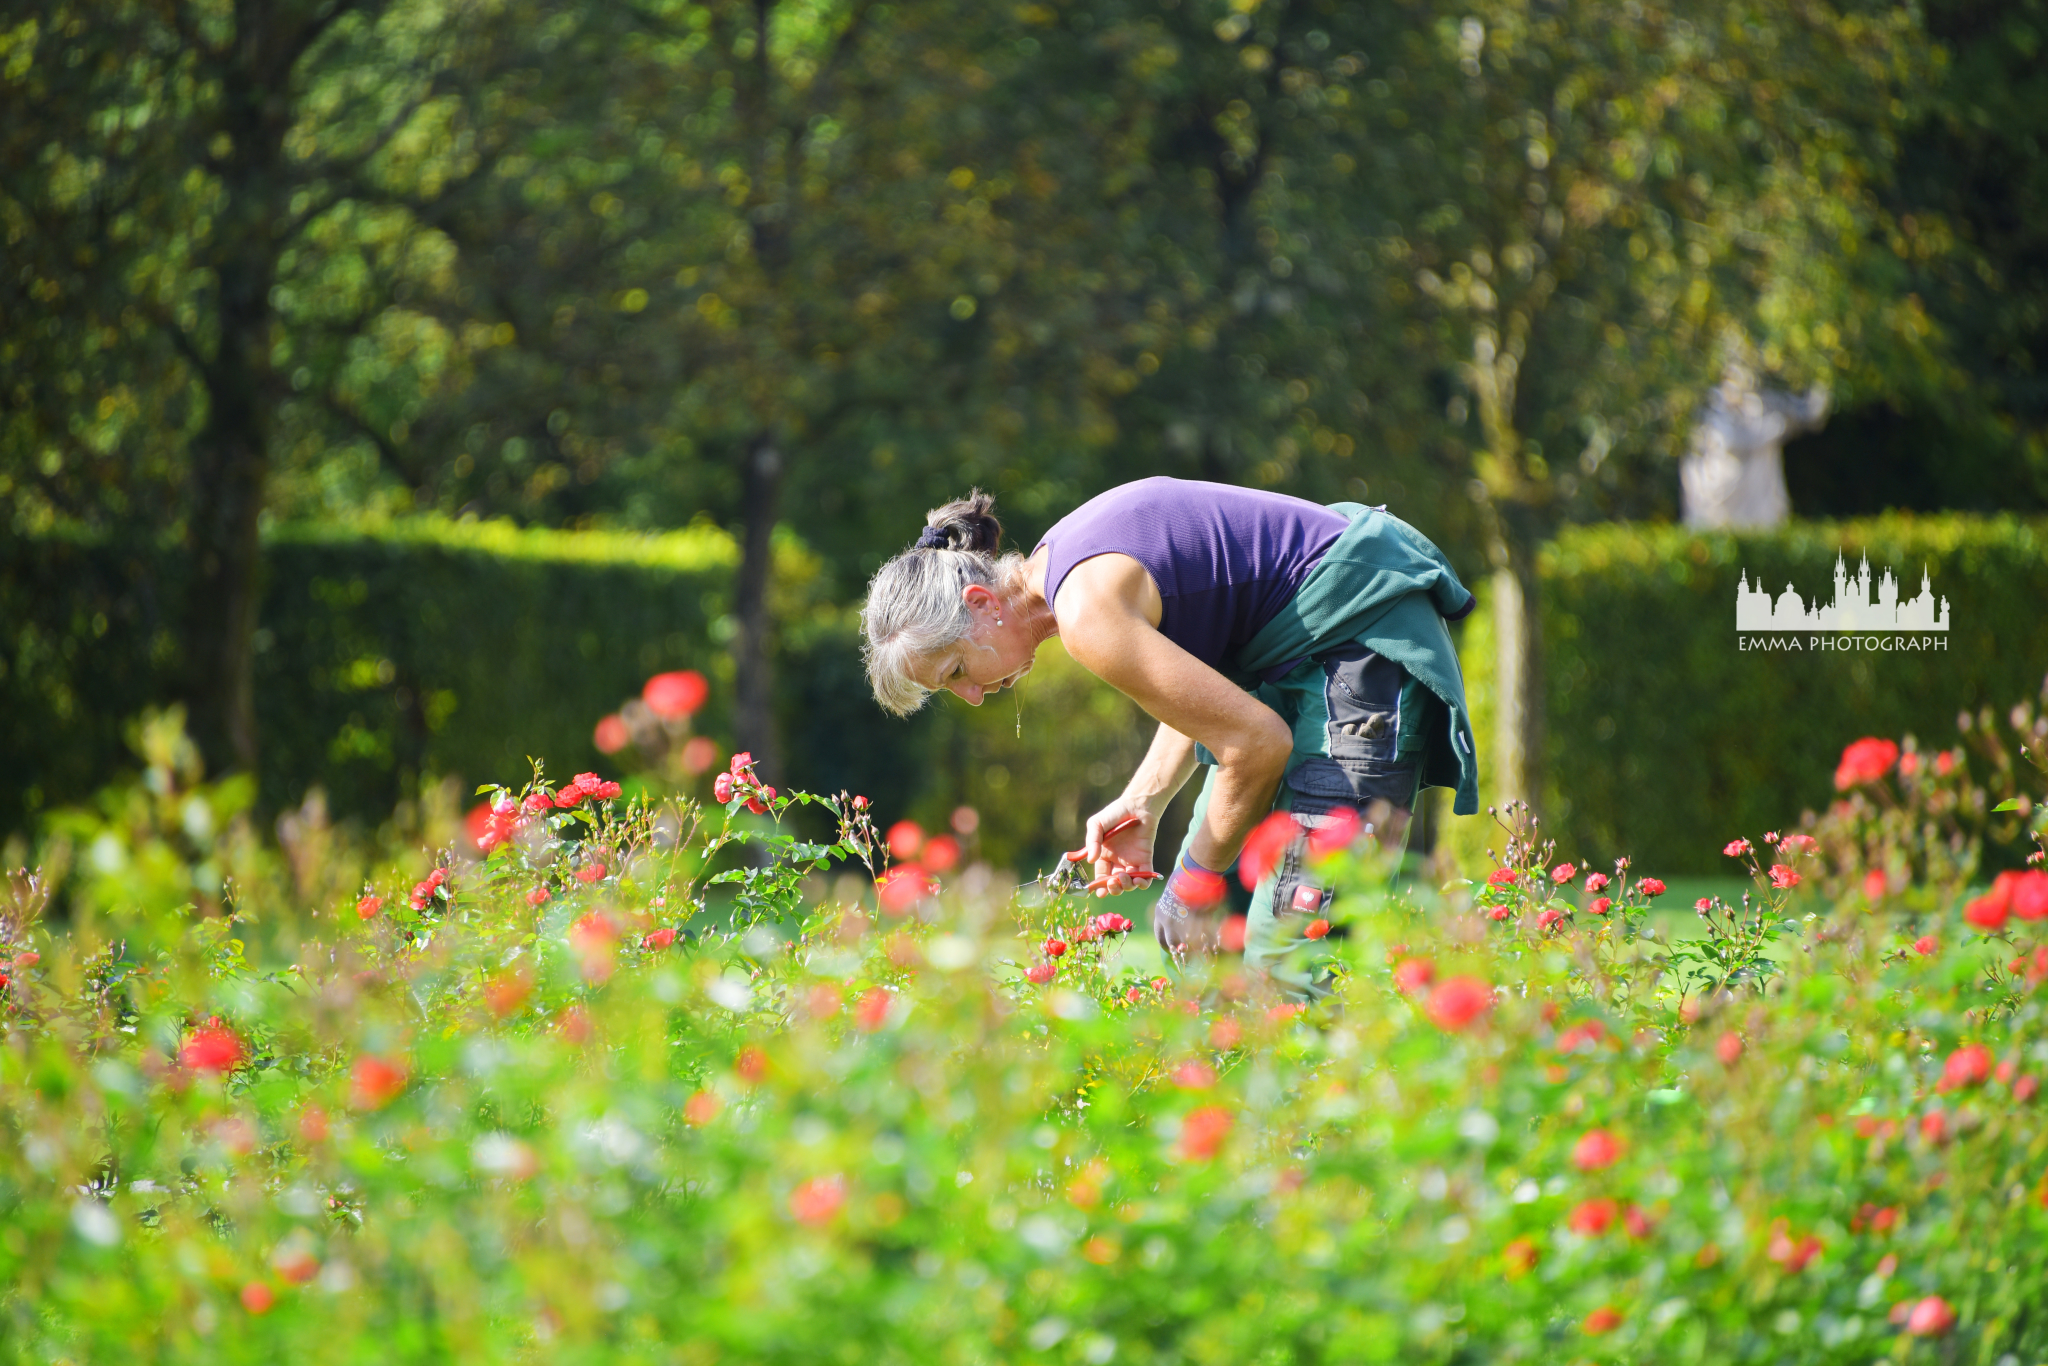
(398, 386)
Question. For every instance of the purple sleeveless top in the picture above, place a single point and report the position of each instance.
(1225, 559)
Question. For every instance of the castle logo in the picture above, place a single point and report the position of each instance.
(1854, 610)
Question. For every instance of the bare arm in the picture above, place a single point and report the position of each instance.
(1108, 611)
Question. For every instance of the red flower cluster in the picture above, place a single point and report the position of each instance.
(491, 826)
(586, 785)
(1737, 848)
(423, 892)
(2023, 894)
(1865, 761)
(1793, 1254)
(212, 1047)
(740, 780)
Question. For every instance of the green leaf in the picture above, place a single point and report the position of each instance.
(2009, 804)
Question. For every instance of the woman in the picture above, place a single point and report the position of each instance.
(1297, 651)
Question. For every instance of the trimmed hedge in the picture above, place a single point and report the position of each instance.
(386, 652)
(1664, 738)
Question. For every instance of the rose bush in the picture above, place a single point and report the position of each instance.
(696, 1109)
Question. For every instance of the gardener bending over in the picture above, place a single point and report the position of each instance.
(1298, 651)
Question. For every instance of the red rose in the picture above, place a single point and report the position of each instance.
(590, 872)
(1458, 1002)
(1316, 929)
(1109, 922)
(1783, 877)
(721, 788)
(701, 1108)
(1596, 883)
(751, 1065)
(1264, 846)
(258, 1298)
(1969, 1065)
(860, 803)
(905, 838)
(1041, 973)
(818, 1199)
(1194, 1076)
(1231, 937)
(1600, 906)
(873, 1012)
(902, 888)
(537, 896)
(940, 853)
(1736, 848)
(1865, 761)
(1339, 828)
(375, 1082)
(611, 735)
(1930, 1318)
(605, 792)
(1563, 873)
(1605, 1319)
(1638, 1224)
(1926, 946)
(1203, 1132)
(757, 806)
(660, 939)
(1591, 1218)
(1650, 886)
(569, 796)
(674, 695)
(2030, 895)
(1597, 1149)
(1988, 911)
(370, 904)
(538, 800)
(1728, 1048)
(1413, 974)
(1547, 918)
(1502, 877)
(212, 1047)
(741, 762)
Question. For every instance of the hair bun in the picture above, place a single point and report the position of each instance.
(965, 524)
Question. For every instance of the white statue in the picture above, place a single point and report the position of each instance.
(1734, 475)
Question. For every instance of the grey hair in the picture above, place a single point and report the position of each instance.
(915, 609)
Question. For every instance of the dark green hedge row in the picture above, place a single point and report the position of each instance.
(425, 647)
(1666, 738)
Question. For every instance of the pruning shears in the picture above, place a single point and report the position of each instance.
(1074, 863)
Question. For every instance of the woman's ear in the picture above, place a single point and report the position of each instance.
(979, 598)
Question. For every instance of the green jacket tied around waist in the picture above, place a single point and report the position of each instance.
(1384, 585)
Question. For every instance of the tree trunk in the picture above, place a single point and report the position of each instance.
(231, 459)
(1518, 676)
(753, 708)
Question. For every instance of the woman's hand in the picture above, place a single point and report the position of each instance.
(1119, 844)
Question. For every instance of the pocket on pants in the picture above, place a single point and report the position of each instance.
(1320, 786)
(1362, 697)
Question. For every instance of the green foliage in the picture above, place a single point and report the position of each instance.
(284, 1123)
(1661, 728)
